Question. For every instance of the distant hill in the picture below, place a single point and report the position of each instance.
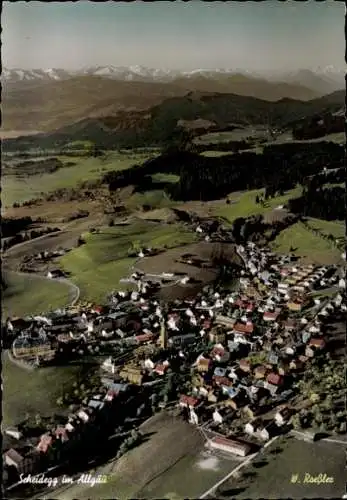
(245, 85)
(47, 105)
(322, 83)
(156, 126)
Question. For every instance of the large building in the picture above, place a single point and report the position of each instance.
(30, 347)
(229, 445)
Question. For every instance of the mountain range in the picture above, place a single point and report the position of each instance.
(323, 80)
(48, 99)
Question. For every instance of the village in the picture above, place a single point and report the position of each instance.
(227, 361)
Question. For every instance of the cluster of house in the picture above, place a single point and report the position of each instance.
(244, 349)
(258, 343)
(29, 453)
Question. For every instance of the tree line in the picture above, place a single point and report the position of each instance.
(319, 126)
(279, 168)
(322, 203)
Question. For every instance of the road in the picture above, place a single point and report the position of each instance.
(303, 435)
(75, 291)
(33, 240)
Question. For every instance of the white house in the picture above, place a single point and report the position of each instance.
(282, 416)
(109, 365)
(149, 365)
(342, 283)
(15, 433)
(83, 416)
(217, 417)
(193, 417)
(106, 334)
(338, 300)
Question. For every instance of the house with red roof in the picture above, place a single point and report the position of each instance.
(207, 324)
(45, 443)
(188, 401)
(97, 309)
(274, 379)
(250, 307)
(160, 369)
(144, 337)
(244, 328)
(239, 303)
(61, 433)
(220, 354)
(218, 380)
(270, 316)
(318, 343)
(315, 344)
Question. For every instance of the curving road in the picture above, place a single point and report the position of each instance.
(75, 291)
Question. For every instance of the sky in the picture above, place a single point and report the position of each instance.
(253, 36)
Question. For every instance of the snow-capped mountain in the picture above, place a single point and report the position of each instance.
(130, 73)
(32, 75)
(125, 73)
(323, 80)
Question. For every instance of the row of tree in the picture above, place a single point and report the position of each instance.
(323, 203)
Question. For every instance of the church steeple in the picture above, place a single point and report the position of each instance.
(163, 334)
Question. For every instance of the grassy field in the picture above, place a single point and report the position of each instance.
(163, 177)
(86, 169)
(238, 134)
(155, 199)
(188, 478)
(34, 391)
(244, 205)
(338, 137)
(336, 228)
(171, 463)
(307, 244)
(29, 295)
(97, 266)
(272, 475)
(215, 154)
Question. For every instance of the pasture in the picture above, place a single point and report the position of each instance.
(28, 294)
(243, 204)
(98, 265)
(279, 472)
(307, 244)
(15, 189)
(34, 391)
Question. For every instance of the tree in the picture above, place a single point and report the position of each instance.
(60, 401)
